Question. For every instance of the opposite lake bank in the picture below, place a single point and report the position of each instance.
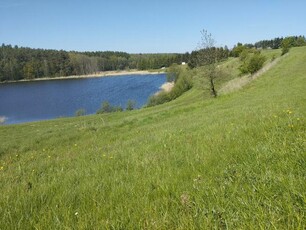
(94, 75)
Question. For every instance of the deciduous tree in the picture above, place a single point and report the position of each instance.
(208, 57)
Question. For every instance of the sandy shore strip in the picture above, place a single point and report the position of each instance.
(98, 74)
(166, 87)
(2, 120)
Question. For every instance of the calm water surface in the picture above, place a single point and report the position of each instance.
(41, 100)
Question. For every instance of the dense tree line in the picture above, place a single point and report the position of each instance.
(18, 63)
(276, 43)
(220, 54)
(119, 60)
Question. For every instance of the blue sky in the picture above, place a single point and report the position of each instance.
(139, 26)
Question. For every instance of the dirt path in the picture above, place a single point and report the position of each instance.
(240, 82)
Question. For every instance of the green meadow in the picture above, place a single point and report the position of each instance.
(237, 161)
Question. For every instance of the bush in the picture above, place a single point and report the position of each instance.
(256, 62)
(286, 44)
(80, 112)
(158, 99)
(252, 63)
(117, 109)
(173, 72)
(237, 50)
(244, 55)
(285, 49)
(107, 108)
(183, 83)
(131, 104)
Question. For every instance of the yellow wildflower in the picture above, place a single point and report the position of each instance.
(289, 111)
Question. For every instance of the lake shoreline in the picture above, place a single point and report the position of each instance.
(166, 87)
(45, 100)
(94, 75)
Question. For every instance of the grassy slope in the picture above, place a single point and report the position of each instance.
(237, 161)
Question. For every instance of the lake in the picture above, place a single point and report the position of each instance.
(41, 100)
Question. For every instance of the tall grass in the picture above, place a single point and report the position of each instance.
(235, 162)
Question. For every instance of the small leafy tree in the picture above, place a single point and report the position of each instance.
(159, 99)
(256, 62)
(301, 41)
(208, 57)
(131, 105)
(173, 72)
(286, 45)
(117, 109)
(252, 63)
(244, 55)
(238, 49)
(80, 112)
(105, 108)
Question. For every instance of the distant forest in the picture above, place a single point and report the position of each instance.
(18, 63)
(276, 43)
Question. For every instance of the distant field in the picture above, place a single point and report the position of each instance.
(234, 162)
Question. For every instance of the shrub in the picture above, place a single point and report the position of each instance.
(117, 109)
(183, 83)
(173, 72)
(244, 55)
(252, 63)
(256, 62)
(107, 108)
(237, 50)
(131, 104)
(158, 99)
(286, 44)
(80, 112)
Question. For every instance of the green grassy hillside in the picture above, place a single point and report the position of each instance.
(236, 162)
